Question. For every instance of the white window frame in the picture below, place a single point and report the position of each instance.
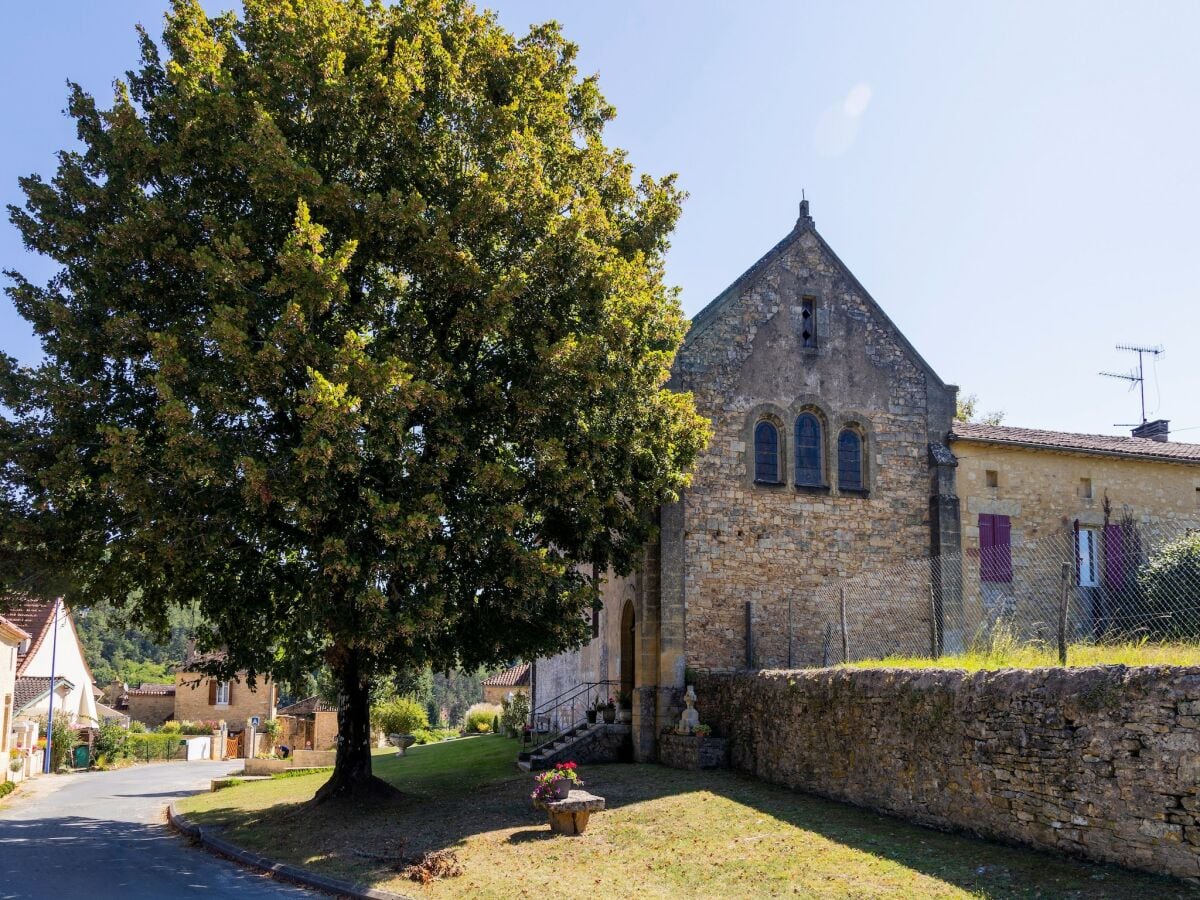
(222, 693)
(1089, 557)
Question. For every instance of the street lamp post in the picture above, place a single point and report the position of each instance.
(50, 708)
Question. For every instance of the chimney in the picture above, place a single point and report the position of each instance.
(1153, 431)
(190, 653)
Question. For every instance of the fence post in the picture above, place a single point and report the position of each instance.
(749, 634)
(1062, 613)
(845, 633)
(933, 624)
(789, 633)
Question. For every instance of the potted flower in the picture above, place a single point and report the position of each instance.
(594, 710)
(610, 711)
(556, 783)
(702, 731)
(624, 706)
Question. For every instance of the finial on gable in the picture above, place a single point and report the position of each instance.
(805, 218)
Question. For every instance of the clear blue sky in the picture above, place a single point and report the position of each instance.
(1016, 183)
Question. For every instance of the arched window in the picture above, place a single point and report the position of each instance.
(766, 453)
(850, 460)
(809, 471)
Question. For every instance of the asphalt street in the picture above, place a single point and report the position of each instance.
(97, 835)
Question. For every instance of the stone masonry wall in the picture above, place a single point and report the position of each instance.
(1099, 762)
(769, 544)
(191, 701)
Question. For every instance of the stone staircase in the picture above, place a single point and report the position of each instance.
(585, 743)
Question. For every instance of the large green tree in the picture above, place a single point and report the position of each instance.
(359, 341)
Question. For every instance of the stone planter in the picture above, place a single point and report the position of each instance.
(624, 715)
(401, 742)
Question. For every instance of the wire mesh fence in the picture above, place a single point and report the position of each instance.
(1109, 585)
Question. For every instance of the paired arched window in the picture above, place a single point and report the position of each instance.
(809, 468)
(766, 453)
(850, 460)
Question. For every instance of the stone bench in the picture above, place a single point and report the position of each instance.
(570, 816)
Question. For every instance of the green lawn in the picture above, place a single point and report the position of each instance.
(665, 834)
(1032, 656)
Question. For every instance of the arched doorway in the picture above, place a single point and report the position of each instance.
(627, 647)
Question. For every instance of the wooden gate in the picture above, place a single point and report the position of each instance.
(233, 746)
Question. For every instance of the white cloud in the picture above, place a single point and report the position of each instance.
(838, 126)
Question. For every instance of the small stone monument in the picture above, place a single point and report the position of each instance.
(690, 718)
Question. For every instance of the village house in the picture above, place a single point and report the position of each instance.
(53, 659)
(834, 453)
(202, 698)
(11, 639)
(514, 679)
(308, 724)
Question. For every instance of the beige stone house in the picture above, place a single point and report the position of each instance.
(202, 698)
(514, 679)
(11, 639)
(1033, 499)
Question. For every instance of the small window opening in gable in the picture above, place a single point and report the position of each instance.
(993, 478)
(1085, 488)
(766, 453)
(808, 323)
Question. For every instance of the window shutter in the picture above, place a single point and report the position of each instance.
(1114, 556)
(230, 693)
(212, 692)
(1003, 550)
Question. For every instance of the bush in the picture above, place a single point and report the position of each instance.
(6, 788)
(400, 716)
(1170, 584)
(62, 740)
(194, 727)
(136, 727)
(516, 712)
(478, 718)
(171, 727)
(112, 741)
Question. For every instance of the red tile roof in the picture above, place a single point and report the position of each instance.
(29, 689)
(11, 627)
(516, 676)
(152, 690)
(307, 707)
(1097, 444)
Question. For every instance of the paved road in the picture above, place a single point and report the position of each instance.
(103, 834)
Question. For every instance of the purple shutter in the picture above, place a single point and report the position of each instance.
(1003, 549)
(987, 538)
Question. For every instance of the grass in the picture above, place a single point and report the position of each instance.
(1031, 656)
(665, 833)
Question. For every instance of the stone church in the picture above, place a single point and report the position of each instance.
(835, 460)
(827, 457)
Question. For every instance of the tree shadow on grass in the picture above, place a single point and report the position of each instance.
(340, 841)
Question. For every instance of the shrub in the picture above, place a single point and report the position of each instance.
(136, 727)
(516, 712)
(495, 724)
(478, 719)
(6, 788)
(62, 740)
(192, 727)
(270, 728)
(171, 727)
(400, 716)
(112, 741)
(1170, 584)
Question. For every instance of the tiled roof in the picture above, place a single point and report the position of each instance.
(1101, 444)
(516, 676)
(33, 616)
(31, 688)
(307, 707)
(152, 690)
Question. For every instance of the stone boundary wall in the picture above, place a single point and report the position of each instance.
(1100, 762)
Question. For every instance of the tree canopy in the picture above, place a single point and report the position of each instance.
(358, 341)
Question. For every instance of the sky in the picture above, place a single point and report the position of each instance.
(1015, 183)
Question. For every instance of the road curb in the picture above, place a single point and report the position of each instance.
(295, 874)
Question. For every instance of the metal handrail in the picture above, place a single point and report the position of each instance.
(548, 711)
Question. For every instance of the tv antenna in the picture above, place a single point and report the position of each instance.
(1137, 376)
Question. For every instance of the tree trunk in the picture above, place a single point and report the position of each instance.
(352, 765)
